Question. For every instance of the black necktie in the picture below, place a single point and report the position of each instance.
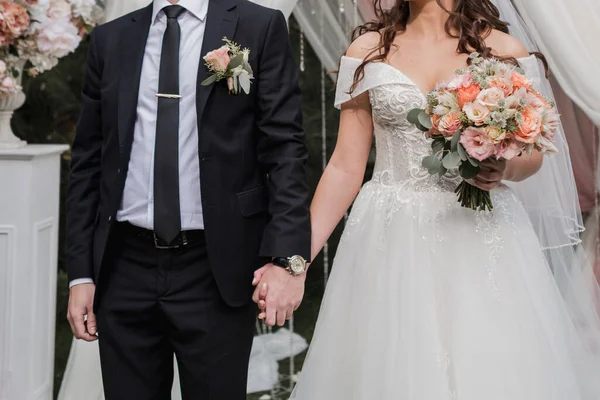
(167, 215)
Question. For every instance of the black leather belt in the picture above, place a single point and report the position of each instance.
(183, 239)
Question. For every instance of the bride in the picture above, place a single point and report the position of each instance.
(428, 300)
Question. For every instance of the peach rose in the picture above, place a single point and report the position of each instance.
(490, 97)
(467, 94)
(530, 127)
(476, 112)
(435, 122)
(218, 59)
(501, 83)
(449, 123)
(519, 81)
(477, 143)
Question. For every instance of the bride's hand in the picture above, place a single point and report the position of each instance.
(491, 175)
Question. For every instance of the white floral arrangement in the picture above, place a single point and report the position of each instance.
(40, 32)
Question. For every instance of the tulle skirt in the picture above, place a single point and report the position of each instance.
(430, 301)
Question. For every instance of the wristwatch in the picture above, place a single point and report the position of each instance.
(295, 265)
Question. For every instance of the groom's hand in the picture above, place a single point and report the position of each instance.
(81, 300)
(284, 293)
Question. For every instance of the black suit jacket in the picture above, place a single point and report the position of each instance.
(251, 147)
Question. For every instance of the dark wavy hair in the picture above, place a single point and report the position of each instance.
(470, 21)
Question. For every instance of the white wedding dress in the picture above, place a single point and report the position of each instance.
(431, 301)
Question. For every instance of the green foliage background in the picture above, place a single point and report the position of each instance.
(50, 116)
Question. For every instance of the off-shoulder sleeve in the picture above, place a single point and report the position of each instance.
(534, 69)
(348, 67)
(376, 74)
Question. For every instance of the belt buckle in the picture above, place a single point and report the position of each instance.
(163, 247)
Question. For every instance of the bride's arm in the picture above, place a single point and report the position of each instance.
(345, 172)
(520, 168)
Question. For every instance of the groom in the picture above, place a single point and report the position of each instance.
(179, 192)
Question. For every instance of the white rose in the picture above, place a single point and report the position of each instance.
(58, 39)
(490, 97)
(39, 12)
(476, 112)
(495, 133)
(88, 10)
(59, 10)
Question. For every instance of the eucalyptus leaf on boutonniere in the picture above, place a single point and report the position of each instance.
(230, 62)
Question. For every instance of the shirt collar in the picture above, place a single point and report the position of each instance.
(198, 8)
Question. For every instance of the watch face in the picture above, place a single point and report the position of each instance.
(297, 265)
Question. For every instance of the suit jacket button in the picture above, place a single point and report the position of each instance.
(118, 171)
(109, 219)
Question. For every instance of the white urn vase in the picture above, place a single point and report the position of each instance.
(8, 104)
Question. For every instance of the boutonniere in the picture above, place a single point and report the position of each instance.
(230, 62)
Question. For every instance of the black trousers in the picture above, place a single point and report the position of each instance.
(156, 303)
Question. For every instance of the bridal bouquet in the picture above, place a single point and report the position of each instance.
(41, 32)
(489, 109)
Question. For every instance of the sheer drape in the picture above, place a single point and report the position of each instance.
(116, 8)
(567, 33)
(327, 25)
(286, 6)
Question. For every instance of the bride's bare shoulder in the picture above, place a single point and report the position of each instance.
(363, 45)
(505, 45)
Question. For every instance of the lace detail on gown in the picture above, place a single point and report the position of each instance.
(401, 147)
(428, 300)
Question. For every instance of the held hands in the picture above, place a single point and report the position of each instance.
(491, 175)
(278, 294)
(81, 300)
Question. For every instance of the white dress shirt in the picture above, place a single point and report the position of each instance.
(137, 206)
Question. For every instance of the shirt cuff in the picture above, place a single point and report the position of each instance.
(80, 281)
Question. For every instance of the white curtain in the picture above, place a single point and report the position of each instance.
(327, 25)
(286, 6)
(567, 32)
(116, 8)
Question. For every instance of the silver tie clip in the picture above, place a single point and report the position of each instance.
(168, 96)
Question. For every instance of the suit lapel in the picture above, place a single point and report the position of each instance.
(221, 22)
(132, 55)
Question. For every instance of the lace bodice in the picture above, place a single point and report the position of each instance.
(400, 146)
